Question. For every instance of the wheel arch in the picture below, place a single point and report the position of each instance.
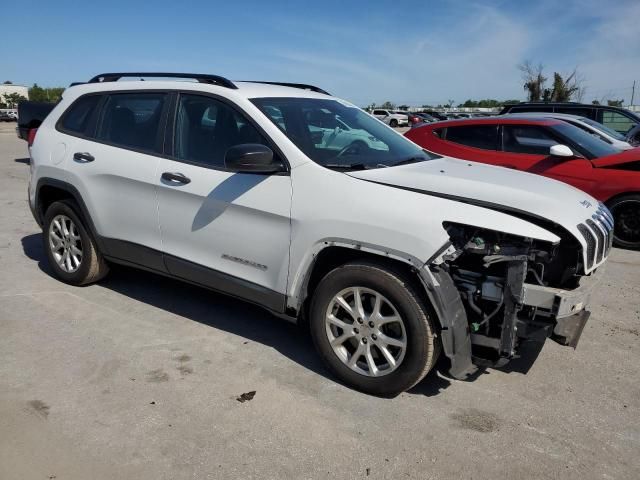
(435, 287)
(615, 197)
(50, 190)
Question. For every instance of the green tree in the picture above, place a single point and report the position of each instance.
(12, 99)
(595, 102)
(39, 94)
(403, 107)
(388, 105)
(7, 82)
(615, 103)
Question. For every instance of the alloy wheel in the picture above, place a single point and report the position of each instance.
(65, 243)
(365, 331)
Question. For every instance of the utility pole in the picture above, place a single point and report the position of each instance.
(633, 91)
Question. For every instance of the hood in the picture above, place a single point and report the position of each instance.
(618, 159)
(493, 187)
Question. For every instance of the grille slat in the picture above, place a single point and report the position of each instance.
(600, 235)
(591, 244)
(597, 232)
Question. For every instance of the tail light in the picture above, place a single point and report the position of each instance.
(31, 136)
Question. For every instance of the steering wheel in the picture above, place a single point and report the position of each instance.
(353, 146)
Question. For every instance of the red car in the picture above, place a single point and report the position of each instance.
(551, 148)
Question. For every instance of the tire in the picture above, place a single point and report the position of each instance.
(415, 328)
(626, 218)
(82, 268)
(393, 123)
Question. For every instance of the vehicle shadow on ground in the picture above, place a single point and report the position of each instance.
(234, 316)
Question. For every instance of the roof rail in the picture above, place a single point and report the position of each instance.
(303, 86)
(200, 77)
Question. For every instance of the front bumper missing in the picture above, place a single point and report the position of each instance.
(568, 307)
(568, 329)
(558, 302)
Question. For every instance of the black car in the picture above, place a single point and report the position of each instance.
(617, 118)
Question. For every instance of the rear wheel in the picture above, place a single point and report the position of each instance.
(71, 251)
(372, 328)
(626, 217)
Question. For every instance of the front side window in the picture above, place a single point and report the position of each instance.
(477, 136)
(527, 139)
(603, 128)
(338, 135)
(76, 118)
(617, 121)
(589, 145)
(132, 120)
(206, 128)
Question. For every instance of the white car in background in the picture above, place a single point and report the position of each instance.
(596, 129)
(333, 133)
(391, 118)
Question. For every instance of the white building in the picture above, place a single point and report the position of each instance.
(11, 88)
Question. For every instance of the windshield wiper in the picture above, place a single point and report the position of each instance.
(409, 160)
(345, 166)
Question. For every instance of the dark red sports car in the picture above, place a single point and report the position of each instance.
(551, 148)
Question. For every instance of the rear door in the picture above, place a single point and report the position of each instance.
(478, 143)
(115, 163)
(223, 229)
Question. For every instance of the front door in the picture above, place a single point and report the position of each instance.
(223, 229)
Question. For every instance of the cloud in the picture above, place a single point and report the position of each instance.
(475, 57)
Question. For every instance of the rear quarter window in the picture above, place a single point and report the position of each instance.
(77, 117)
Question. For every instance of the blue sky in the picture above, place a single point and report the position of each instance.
(410, 52)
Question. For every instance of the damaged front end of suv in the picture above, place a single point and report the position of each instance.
(514, 289)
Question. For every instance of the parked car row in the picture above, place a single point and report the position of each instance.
(290, 198)
(8, 115)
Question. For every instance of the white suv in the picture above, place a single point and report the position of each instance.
(390, 254)
(391, 118)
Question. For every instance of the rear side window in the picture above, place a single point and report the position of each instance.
(132, 120)
(77, 117)
(527, 139)
(477, 136)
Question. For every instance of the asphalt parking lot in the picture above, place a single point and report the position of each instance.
(139, 377)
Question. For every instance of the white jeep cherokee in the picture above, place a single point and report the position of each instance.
(390, 254)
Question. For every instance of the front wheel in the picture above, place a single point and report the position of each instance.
(626, 218)
(372, 328)
(393, 123)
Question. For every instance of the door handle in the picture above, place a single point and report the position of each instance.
(176, 177)
(83, 157)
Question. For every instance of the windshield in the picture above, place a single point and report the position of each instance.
(340, 136)
(603, 128)
(594, 147)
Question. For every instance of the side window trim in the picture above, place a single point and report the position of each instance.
(170, 143)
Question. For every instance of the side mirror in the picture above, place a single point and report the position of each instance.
(561, 151)
(251, 158)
